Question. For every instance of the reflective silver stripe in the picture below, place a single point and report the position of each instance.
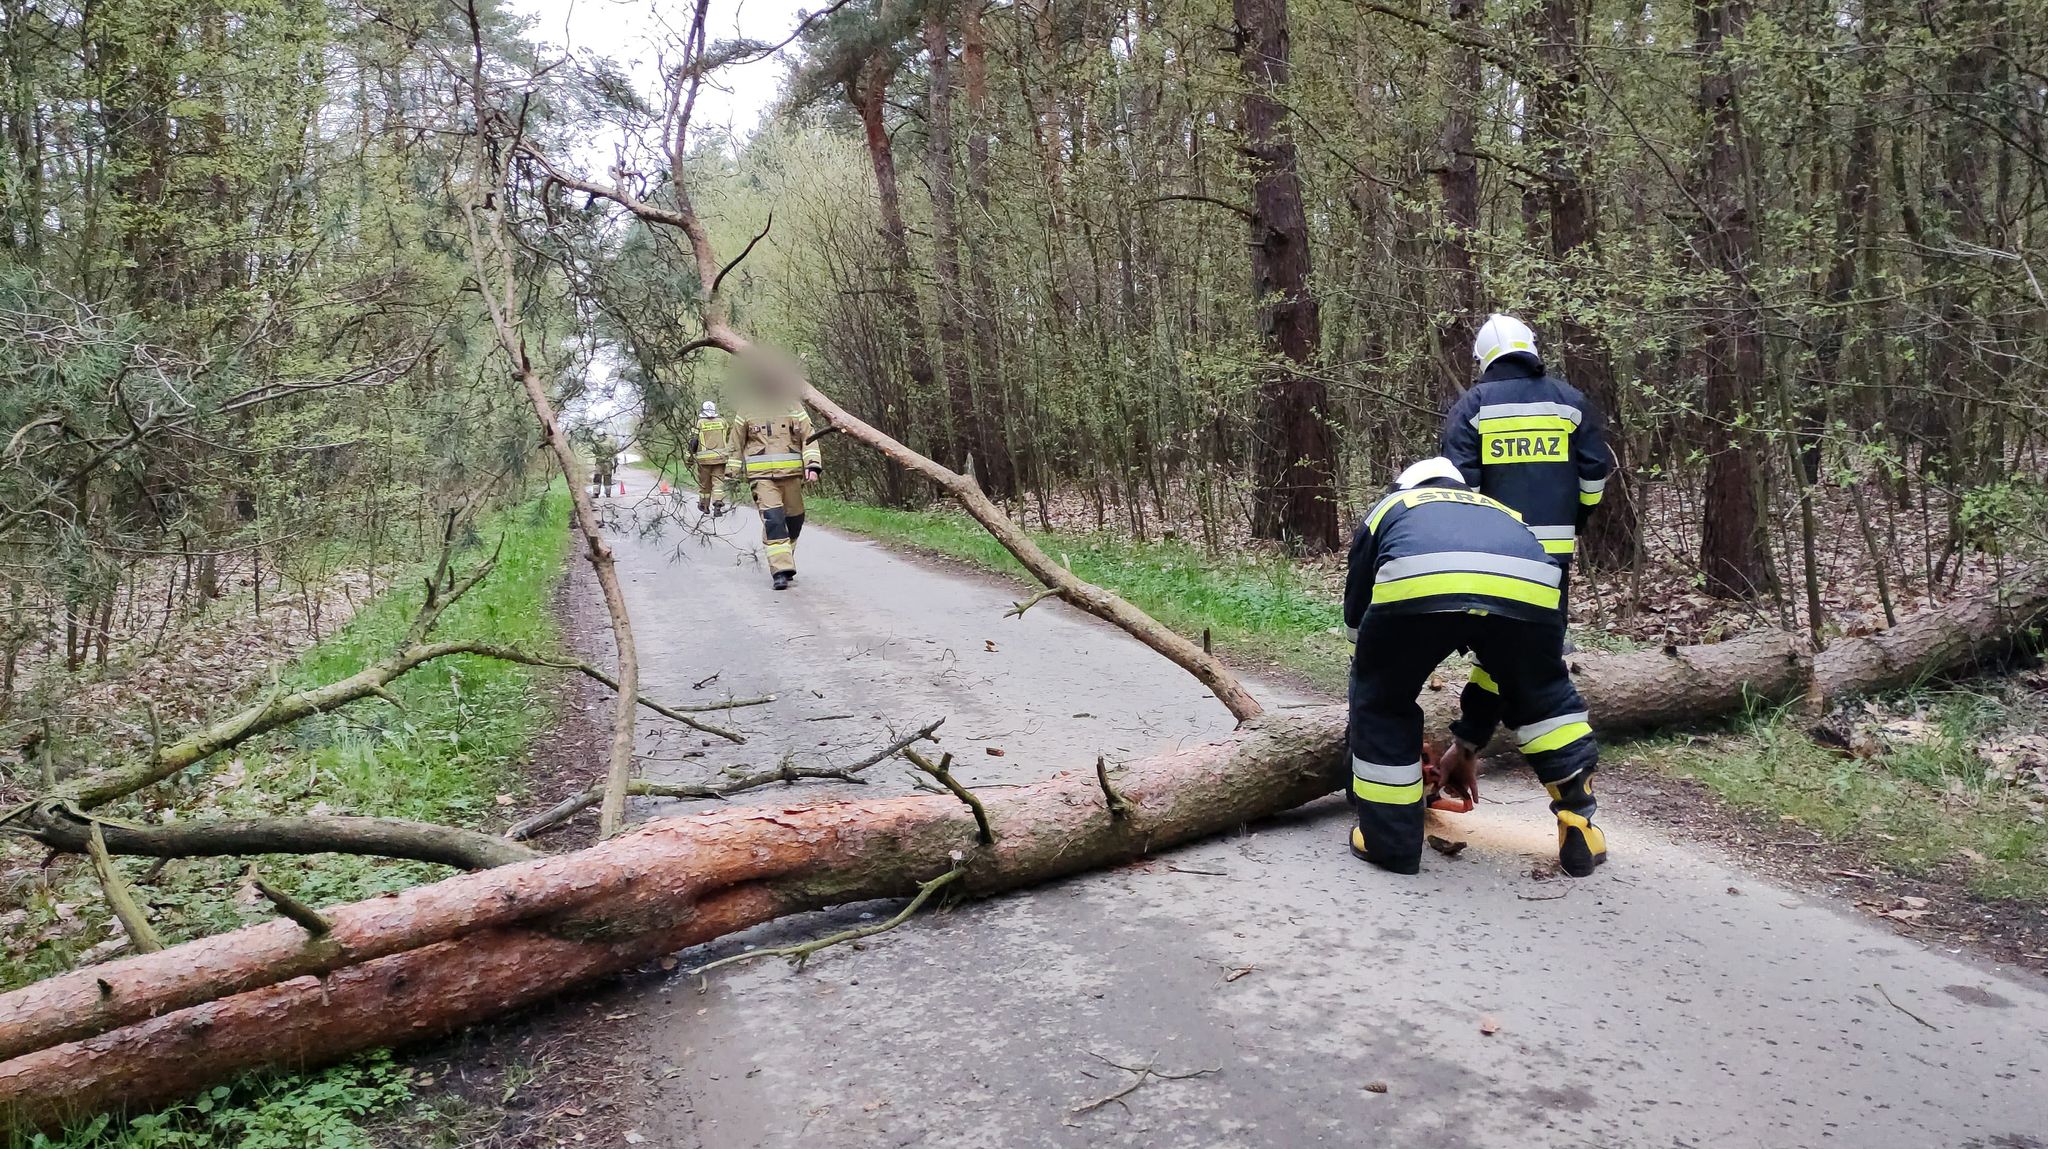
(772, 460)
(1351, 632)
(1554, 532)
(1517, 410)
(1592, 486)
(1386, 775)
(1535, 730)
(1534, 570)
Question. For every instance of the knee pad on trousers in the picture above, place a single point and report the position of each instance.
(775, 524)
(796, 526)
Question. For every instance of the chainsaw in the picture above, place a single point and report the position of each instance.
(1433, 794)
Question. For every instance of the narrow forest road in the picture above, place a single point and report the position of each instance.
(1672, 1000)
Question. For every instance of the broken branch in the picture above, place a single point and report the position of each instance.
(1118, 807)
(141, 935)
(1017, 609)
(943, 771)
(308, 918)
(802, 951)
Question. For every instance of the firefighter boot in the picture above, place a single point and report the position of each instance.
(1581, 845)
(782, 579)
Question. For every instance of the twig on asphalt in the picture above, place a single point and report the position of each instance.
(1144, 1072)
(1902, 1009)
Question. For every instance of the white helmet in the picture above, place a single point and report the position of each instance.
(1502, 335)
(710, 410)
(1427, 470)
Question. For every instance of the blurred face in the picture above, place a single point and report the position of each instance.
(770, 377)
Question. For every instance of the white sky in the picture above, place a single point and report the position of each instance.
(633, 31)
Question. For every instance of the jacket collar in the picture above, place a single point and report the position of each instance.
(1514, 366)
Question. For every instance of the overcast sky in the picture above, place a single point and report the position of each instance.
(632, 31)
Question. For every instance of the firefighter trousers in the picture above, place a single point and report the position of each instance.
(781, 502)
(1479, 707)
(708, 477)
(1395, 655)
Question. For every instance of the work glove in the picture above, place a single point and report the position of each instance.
(812, 472)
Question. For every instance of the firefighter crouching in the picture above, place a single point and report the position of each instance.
(708, 451)
(1435, 568)
(776, 457)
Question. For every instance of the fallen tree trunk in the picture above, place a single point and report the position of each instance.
(485, 949)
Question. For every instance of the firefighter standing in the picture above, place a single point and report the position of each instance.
(1530, 440)
(1437, 567)
(708, 451)
(776, 457)
(606, 450)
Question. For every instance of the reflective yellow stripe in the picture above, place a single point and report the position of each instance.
(1466, 582)
(1559, 546)
(1589, 498)
(1388, 795)
(1436, 495)
(1483, 680)
(1559, 738)
(774, 462)
(781, 548)
(1527, 423)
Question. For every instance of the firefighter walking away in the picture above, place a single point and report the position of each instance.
(708, 451)
(1436, 568)
(775, 456)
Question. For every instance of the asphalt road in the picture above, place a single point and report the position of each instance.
(1281, 993)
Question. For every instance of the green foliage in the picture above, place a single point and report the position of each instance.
(318, 1111)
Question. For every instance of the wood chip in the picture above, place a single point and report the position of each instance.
(1446, 846)
(1375, 1087)
(1488, 1026)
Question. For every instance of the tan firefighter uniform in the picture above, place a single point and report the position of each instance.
(708, 449)
(773, 454)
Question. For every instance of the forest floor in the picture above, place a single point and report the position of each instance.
(1260, 989)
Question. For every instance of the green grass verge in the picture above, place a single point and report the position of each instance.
(1257, 609)
(446, 756)
(1922, 802)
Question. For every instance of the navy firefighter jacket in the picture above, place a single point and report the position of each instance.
(1442, 548)
(1533, 442)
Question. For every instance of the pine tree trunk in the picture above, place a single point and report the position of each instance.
(1457, 177)
(998, 460)
(1609, 541)
(1295, 453)
(1732, 547)
(868, 97)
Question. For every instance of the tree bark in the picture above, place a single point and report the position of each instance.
(868, 96)
(998, 462)
(1732, 547)
(1294, 495)
(1565, 137)
(953, 363)
(1457, 177)
(438, 957)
